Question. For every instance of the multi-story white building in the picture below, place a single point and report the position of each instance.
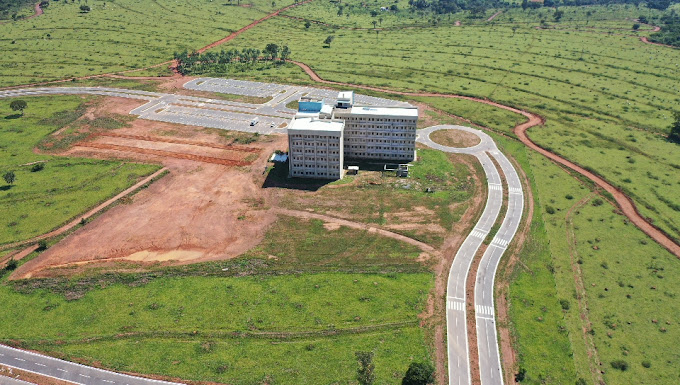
(379, 133)
(315, 148)
(365, 133)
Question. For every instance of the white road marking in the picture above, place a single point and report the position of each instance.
(19, 359)
(39, 364)
(62, 370)
(495, 187)
(83, 375)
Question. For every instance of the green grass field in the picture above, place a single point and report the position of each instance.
(116, 36)
(39, 201)
(275, 319)
(604, 96)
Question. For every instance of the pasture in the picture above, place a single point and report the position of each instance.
(42, 199)
(116, 36)
(605, 97)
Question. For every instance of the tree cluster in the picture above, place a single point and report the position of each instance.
(670, 30)
(477, 7)
(223, 61)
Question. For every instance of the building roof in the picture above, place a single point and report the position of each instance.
(311, 124)
(384, 111)
(346, 95)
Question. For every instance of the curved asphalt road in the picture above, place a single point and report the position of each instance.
(456, 325)
(68, 371)
(487, 340)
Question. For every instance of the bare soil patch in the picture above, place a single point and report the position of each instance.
(195, 213)
(455, 138)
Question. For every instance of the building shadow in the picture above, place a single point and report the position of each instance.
(278, 177)
(6, 187)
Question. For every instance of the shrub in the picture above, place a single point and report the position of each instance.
(581, 381)
(569, 196)
(11, 265)
(550, 210)
(519, 376)
(646, 364)
(598, 202)
(565, 304)
(37, 167)
(636, 26)
(419, 373)
(42, 245)
(620, 365)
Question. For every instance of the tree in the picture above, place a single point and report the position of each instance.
(329, 40)
(84, 8)
(9, 177)
(307, 24)
(271, 51)
(525, 4)
(285, 53)
(18, 105)
(380, 20)
(365, 374)
(636, 26)
(374, 23)
(418, 373)
(674, 135)
(558, 15)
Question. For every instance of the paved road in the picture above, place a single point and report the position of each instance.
(456, 317)
(68, 371)
(207, 112)
(487, 340)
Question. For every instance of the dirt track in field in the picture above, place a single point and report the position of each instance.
(623, 201)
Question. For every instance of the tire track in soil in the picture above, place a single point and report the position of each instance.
(165, 154)
(145, 138)
(581, 298)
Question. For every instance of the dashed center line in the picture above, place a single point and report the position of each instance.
(19, 359)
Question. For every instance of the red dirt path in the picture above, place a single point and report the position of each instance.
(624, 202)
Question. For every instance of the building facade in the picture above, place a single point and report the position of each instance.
(322, 136)
(316, 148)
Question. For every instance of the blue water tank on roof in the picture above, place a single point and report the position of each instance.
(309, 106)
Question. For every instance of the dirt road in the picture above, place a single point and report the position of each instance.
(624, 202)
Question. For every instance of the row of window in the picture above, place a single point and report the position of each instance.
(315, 173)
(384, 156)
(384, 148)
(378, 133)
(309, 162)
(391, 126)
(300, 136)
(317, 144)
(349, 141)
(357, 118)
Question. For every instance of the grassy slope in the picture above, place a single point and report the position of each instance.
(605, 96)
(115, 36)
(40, 201)
(389, 201)
(215, 328)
